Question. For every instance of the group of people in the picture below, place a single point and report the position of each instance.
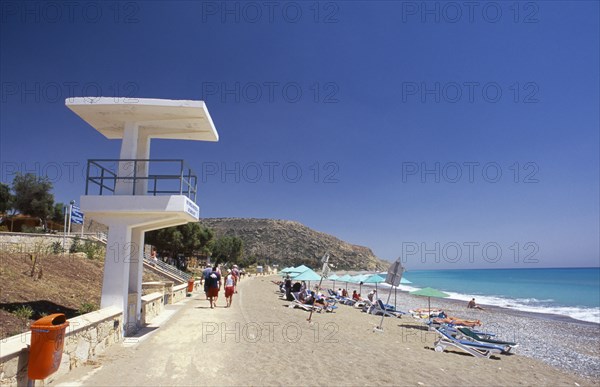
(212, 279)
(304, 294)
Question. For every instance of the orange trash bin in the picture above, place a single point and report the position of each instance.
(190, 287)
(47, 342)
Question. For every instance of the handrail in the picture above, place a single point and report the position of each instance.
(168, 268)
(103, 176)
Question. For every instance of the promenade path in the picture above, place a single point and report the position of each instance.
(260, 341)
(191, 344)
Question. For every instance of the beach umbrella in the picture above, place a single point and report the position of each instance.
(287, 270)
(345, 278)
(333, 277)
(429, 292)
(402, 280)
(307, 275)
(359, 279)
(374, 279)
(301, 268)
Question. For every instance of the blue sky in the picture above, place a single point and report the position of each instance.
(454, 137)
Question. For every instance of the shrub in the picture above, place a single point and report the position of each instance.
(92, 250)
(76, 245)
(24, 312)
(32, 230)
(86, 307)
(57, 248)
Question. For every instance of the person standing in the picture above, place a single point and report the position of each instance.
(214, 285)
(154, 256)
(229, 287)
(288, 288)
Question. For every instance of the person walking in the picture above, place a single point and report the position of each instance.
(229, 287)
(236, 277)
(214, 285)
(205, 273)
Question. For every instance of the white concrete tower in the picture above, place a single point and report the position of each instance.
(135, 193)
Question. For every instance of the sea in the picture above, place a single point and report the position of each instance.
(573, 292)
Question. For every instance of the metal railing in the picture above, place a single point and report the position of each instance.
(168, 268)
(172, 177)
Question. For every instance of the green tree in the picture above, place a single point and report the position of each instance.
(5, 198)
(58, 213)
(33, 197)
(187, 239)
(227, 249)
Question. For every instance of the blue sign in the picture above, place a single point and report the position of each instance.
(76, 215)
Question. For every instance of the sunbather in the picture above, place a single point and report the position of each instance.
(356, 296)
(457, 321)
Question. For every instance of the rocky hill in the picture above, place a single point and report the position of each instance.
(290, 243)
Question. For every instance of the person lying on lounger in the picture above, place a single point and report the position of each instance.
(457, 321)
(309, 300)
(320, 299)
(356, 296)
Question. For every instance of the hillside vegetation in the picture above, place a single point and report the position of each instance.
(289, 243)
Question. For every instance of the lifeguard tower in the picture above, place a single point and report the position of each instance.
(135, 193)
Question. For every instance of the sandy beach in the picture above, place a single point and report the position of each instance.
(260, 341)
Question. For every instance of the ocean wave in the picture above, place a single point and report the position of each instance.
(534, 305)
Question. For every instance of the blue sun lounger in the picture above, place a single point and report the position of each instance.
(378, 308)
(474, 348)
(469, 334)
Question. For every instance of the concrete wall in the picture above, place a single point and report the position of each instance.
(86, 337)
(179, 293)
(152, 306)
(15, 242)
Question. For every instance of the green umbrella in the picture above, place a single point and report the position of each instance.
(345, 278)
(429, 292)
(307, 275)
(333, 277)
(359, 279)
(402, 280)
(301, 268)
(374, 279)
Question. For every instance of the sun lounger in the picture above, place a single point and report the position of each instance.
(344, 300)
(363, 305)
(299, 304)
(379, 309)
(316, 307)
(470, 334)
(477, 349)
(424, 313)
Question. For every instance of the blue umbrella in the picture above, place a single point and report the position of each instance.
(307, 275)
(345, 278)
(374, 279)
(402, 280)
(333, 277)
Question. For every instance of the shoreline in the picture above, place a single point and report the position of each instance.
(560, 341)
(521, 313)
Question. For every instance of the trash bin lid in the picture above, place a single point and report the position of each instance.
(53, 321)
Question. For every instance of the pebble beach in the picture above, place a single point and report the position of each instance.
(556, 340)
